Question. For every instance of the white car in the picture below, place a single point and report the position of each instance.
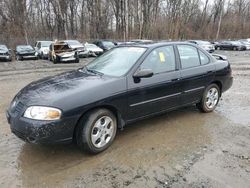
(204, 44)
(79, 47)
(245, 43)
(42, 48)
(93, 49)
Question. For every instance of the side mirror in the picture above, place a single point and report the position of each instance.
(143, 73)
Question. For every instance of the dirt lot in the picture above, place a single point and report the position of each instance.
(184, 148)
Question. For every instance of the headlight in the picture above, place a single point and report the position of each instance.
(42, 113)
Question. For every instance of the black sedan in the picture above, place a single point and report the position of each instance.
(25, 52)
(104, 44)
(230, 45)
(126, 84)
(5, 53)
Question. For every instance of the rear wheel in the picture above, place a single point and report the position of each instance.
(96, 131)
(209, 99)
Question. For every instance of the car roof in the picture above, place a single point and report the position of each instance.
(157, 44)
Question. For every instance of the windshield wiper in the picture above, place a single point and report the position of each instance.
(85, 69)
(94, 71)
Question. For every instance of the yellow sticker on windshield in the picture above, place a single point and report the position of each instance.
(162, 57)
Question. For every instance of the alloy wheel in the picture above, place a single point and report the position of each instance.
(212, 98)
(102, 131)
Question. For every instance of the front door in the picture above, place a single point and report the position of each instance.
(160, 92)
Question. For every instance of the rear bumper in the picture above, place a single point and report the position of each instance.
(42, 132)
(227, 84)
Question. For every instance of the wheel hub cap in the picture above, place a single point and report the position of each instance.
(212, 98)
(102, 131)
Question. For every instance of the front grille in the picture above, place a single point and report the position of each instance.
(28, 54)
(3, 54)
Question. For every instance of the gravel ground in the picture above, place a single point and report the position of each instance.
(184, 148)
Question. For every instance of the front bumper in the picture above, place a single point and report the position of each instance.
(227, 84)
(28, 56)
(67, 59)
(42, 132)
(5, 57)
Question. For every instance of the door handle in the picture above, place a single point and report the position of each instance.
(175, 79)
(209, 72)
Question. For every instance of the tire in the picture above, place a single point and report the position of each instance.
(218, 48)
(90, 133)
(209, 101)
(54, 60)
(235, 48)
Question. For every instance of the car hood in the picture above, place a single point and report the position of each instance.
(25, 51)
(94, 49)
(3, 51)
(75, 88)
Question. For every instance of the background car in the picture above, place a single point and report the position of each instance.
(245, 43)
(104, 44)
(42, 48)
(62, 52)
(5, 53)
(230, 45)
(140, 41)
(25, 52)
(79, 47)
(93, 49)
(206, 45)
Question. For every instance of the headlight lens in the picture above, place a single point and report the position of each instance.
(42, 113)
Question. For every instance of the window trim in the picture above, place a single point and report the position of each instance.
(200, 57)
(197, 49)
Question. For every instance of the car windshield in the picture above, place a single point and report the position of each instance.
(116, 62)
(108, 44)
(3, 47)
(28, 47)
(46, 43)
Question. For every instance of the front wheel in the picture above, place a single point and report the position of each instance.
(209, 99)
(96, 131)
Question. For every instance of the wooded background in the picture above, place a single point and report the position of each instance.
(25, 21)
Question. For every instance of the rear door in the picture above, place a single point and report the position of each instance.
(160, 92)
(197, 71)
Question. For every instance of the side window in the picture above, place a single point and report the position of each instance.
(160, 60)
(204, 59)
(189, 56)
(39, 45)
